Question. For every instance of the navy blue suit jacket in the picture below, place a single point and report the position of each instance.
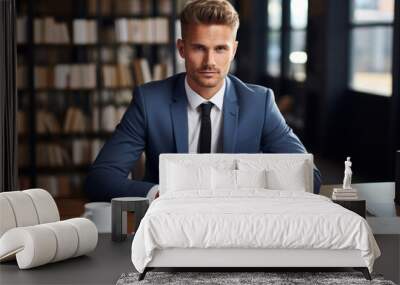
(156, 122)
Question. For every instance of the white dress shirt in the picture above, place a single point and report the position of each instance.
(194, 118)
(194, 123)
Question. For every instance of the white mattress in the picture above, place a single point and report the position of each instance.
(256, 218)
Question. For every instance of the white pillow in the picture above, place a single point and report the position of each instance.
(288, 174)
(223, 179)
(183, 177)
(291, 179)
(227, 179)
(251, 178)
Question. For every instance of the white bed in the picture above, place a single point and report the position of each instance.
(247, 210)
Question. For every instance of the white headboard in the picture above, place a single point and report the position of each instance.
(205, 160)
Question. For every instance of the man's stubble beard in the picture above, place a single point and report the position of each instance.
(208, 83)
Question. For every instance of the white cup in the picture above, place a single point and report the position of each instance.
(100, 214)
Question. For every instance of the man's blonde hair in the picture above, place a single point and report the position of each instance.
(207, 12)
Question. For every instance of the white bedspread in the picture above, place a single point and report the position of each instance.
(250, 219)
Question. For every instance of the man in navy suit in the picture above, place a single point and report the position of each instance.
(203, 110)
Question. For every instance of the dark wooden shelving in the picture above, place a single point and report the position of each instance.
(107, 17)
(35, 54)
(58, 170)
(85, 90)
(89, 45)
(70, 136)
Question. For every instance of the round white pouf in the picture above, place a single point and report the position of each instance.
(87, 235)
(7, 218)
(23, 208)
(67, 240)
(40, 244)
(33, 246)
(45, 205)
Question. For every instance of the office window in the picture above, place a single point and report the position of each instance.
(297, 42)
(274, 37)
(286, 38)
(371, 41)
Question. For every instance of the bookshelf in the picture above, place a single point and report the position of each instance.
(77, 65)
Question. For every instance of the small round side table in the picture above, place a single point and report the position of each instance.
(119, 209)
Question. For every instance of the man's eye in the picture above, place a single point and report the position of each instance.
(220, 49)
(199, 48)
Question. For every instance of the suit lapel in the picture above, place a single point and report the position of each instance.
(231, 115)
(179, 116)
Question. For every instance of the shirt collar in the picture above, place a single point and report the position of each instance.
(195, 100)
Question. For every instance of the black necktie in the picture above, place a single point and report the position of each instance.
(205, 129)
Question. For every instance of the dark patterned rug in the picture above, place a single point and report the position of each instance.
(273, 278)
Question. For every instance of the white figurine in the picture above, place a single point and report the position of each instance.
(347, 174)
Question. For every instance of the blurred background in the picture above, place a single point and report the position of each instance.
(333, 66)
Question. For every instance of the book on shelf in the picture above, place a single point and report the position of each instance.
(75, 121)
(161, 30)
(46, 122)
(117, 76)
(48, 31)
(121, 30)
(108, 118)
(111, 116)
(180, 62)
(339, 197)
(124, 76)
(345, 194)
(148, 30)
(109, 76)
(143, 74)
(72, 76)
(81, 151)
(85, 31)
(51, 154)
(125, 53)
(41, 77)
(119, 114)
(75, 76)
(61, 76)
(95, 148)
(344, 191)
(123, 97)
(160, 71)
(142, 71)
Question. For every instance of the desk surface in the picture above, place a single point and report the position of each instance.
(383, 215)
(379, 197)
(102, 266)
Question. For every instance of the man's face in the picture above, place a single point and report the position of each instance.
(208, 51)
